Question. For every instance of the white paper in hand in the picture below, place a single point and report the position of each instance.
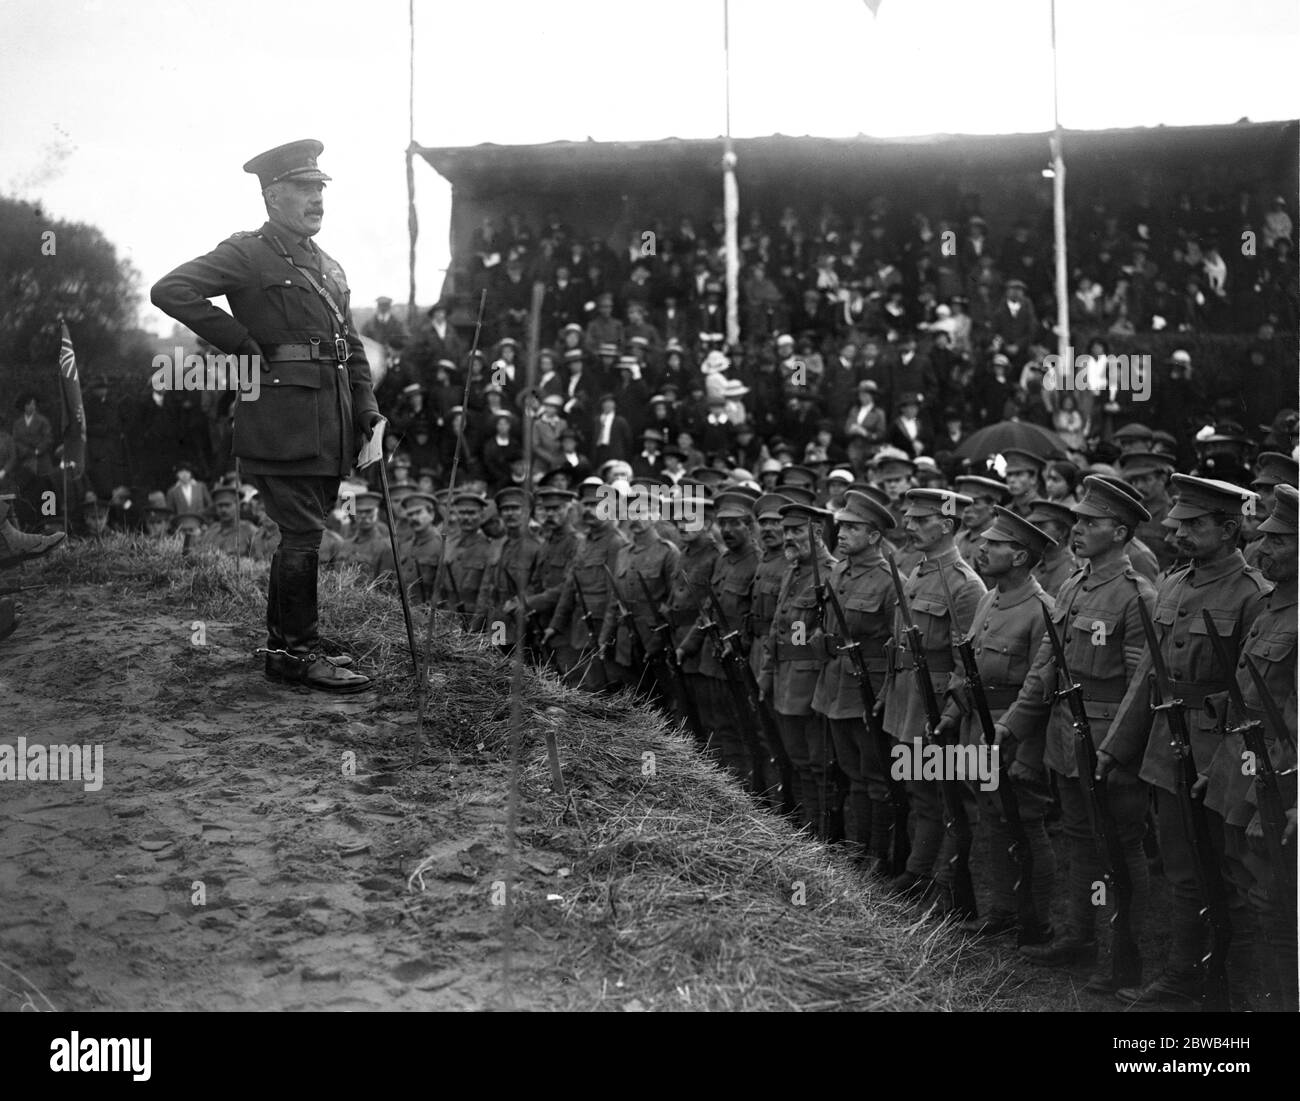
(373, 449)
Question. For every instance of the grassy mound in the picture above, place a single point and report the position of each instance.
(665, 886)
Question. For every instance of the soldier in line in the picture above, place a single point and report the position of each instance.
(1149, 473)
(1098, 623)
(1272, 469)
(229, 534)
(1218, 579)
(930, 518)
(559, 546)
(1024, 475)
(1005, 635)
(1055, 519)
(510, 570)
(791, 662)
(768, 573)
(984, 493)
(466, 554)
(418, 553)
(1232, 790)
(730, 580)
(629, 645)
(587, 581)
(693, 519)
(864, 587)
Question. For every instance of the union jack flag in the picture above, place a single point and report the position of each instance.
(74, 414)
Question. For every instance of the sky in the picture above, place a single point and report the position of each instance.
(137, 115)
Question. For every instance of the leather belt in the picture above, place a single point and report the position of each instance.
(939, 661)
(300, 353)
(788, 651)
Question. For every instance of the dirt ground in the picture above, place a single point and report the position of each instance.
(253, 847)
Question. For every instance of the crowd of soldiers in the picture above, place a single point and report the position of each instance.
(805, 630)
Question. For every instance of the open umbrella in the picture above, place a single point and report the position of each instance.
(997, 438)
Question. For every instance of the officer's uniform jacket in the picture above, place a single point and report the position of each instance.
(654, 561)
(769, 573)
(1005, 636)
(466, 557)
(865, 589)
(555, 555)
(597, 553)
(905, 716)
(419, 554)
(1097, 619)
(731, 581)
(512, 558)
(309, 413)
(789, 670)
(236, 539)
(1271, 645)
(1052, 575)
(1233, 593)
(686, 597)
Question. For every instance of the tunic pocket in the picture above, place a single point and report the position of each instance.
(283, 423)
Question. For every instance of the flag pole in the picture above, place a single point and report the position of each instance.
(1058, 216)
(730, 192)
(64, 467)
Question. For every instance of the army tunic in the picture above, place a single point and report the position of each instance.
(466, 560)
(653, 561)
(967, 544)
(865, 589)
(1052, 571)
(555, 555)
(236, 539)
(309, 413)
(686, 597)
(769, 572)
(364, 547)
(512, 558)
(420, 553)
(587, 569)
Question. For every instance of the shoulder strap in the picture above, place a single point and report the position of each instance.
(324, 293)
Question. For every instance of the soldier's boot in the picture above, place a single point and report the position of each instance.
(17, 546)
(1067, 950)
(857, 825)
(809, 799)
(275, 646)
(880, 847)
(296, 599)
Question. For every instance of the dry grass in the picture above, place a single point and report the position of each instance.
(680, 893)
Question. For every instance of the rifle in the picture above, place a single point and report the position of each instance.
(1195, 825)
(587, 618)
(1126, 962)
(1272, 812)
(955, 821)
(832, 823)
(530, 614)
(744, 693)
(685, 697)
(876, 730)
(1032, 927)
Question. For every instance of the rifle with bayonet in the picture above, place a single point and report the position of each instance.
(589, 621)
(875, 730)
(1032, 928)
(743, 686)
(1126, 961)
(1196, 825)
(1268, 794)
(954, 814)
(668, 657)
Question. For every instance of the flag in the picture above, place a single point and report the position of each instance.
(74, 414)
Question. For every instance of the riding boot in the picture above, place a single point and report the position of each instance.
(298, 626)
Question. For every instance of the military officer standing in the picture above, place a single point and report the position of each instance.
(229, 534)
(290, 307)
(864, 587)
(1005, 635)
(1096, 616)
(792, 659)
(930, 518)
(510, 570)
(1217, 579)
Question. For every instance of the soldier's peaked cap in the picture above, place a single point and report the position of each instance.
(797, 515)
(294, 161)
(1133, 432)
(511, 495)
(798, 494)
(225, 491)
(769, 506)
(414, 501)
(1272, 468)
(1007, 527)
(553, 496)
(798, 473)
(1042, 511)
(733, 505)
(1145, 462)
(859, 508)
(935, 502)
(1202, 496)
(367, 500)
(976, 486)
(1282, 520)
(1104, 499)
(1019, 459)
(468, 496)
